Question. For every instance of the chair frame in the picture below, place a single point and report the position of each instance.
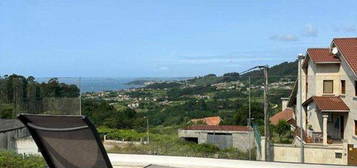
(45, 153)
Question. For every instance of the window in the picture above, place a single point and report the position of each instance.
(355, 127)
(328, 86)
(343, 87)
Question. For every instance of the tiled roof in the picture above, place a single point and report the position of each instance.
(322, 55)
(287, 115)
(219, 128)
(209, 120)
(328, 103)
(10, 124)
(348, 48)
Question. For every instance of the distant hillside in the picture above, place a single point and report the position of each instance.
(212, 79)
(138, 82)
(285, 70)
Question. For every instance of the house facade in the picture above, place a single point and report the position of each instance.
(323, 105)
(325, 102)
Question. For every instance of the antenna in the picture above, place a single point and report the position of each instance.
(334, 50)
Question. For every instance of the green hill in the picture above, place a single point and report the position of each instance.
(285, 70)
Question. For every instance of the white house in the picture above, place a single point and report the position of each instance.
(326, 94)
(323, 105)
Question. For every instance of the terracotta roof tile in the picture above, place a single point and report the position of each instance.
(328, 103)
(348, 48)
(219, 128)
(322, 55)
(209, 120)
(287, 115)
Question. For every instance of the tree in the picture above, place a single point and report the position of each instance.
(232, 76)
(282, 128)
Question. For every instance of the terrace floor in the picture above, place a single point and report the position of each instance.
(154, 161)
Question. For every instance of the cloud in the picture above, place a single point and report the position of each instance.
(310, 31)
(285, 37)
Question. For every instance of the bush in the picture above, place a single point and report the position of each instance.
(121, 134)
(13, 160)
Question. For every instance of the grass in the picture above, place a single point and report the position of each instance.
(164, 141)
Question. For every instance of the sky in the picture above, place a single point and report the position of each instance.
(163, 38)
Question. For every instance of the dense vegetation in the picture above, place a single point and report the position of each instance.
(13, 160)
(180, 101)
(21, 94)
(287, 70)
(103, 114)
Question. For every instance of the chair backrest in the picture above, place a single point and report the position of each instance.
(67, 141)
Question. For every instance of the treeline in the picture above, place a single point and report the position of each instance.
(285, 70)
(199, 81)
(213, 79)
(101, 113)
(24, 94)
(179, 93)
(163, 85)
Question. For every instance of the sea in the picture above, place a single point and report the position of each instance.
(98, 84)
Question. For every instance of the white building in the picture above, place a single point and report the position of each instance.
(327, 106)
(15, 137)
(324, 104)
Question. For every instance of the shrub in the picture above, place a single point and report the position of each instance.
(13, 160)
(121, 134)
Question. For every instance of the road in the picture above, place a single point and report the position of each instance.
(141, 161)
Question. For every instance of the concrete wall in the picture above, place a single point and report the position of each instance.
(300, 116)
(326, 72)
(351, 100)
(18, 141)
(314, 118)
(242, 140)
(8, 139)
(312, 153)
(317, 154)
(200, 135)
(26, 146)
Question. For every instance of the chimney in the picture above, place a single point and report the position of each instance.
(284, 103)
(299, 110)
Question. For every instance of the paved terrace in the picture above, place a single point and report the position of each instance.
(154, 161)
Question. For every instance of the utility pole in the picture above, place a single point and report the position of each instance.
(266, 115)
(300, 59)
(80, 96)
(249, 117)
(249, 106)
(147, 130)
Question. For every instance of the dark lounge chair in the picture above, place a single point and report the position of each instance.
(67, 141)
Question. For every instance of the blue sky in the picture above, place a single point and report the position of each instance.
(163, 38)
